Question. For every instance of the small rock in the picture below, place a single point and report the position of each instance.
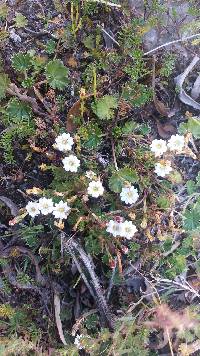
(14, 36)
(151, 39)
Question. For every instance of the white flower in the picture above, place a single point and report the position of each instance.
(71, 163)
(61, 210)
(129, 195)
(128, 229)
(64, 142)
(158, 147)
(114, 228)
(90, 175)
(32, 208)
(45, 205)
(163, 168)
(176, 143)
(77, 341)
(95, 188)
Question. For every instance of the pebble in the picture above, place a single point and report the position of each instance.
(14, 36)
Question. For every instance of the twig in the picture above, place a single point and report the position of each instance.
(80, 320)
(14, 91)
(114, 156)
(111, 280)
(83, 261)
(105, 2)
(108, 34)
(170, 43)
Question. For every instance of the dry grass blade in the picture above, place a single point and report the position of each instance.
(179, 80)
(58, 320)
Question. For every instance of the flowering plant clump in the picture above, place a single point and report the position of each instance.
(123, 229)
(175, 144)
(103, 202)
(46, 206)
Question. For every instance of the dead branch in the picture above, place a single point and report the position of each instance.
(86, 268)
(14, 91)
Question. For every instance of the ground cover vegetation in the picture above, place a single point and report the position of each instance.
(100, 180)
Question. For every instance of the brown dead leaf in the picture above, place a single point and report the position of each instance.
(72, 113)
(165, 130)
(161, 107)
(72, 62)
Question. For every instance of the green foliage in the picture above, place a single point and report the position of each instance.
(20, 20)
(21, 62)
(121, 177)
(163, 202)
(104, 107)
(30, 235)
(137, 94)
(57, 74)
(92, 243)
(91, 135)
(4, 84)
(19, 126)
(168, 65)
(3, 10)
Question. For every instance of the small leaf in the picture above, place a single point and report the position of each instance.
(18, 110)
(194, 126)
(20, 20)
(57, 74)
(21, 61)
(128, 174)
(115, 183)
(50, 46)
(191, 220)
(129, 127)
(191, 187)
(119, 178)
(4, 84)
(104, 107)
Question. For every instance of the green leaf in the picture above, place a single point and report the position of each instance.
(119, 178)
(191, 187)
(191, 219)
(163, 202)
(104, 107)
(4, 84)
(192, 125)
(57, 74)
(20, 20)
(18, 110)
(50, 46)
(21, 61)
(115, 183)
(128, 174)
(129, 127)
